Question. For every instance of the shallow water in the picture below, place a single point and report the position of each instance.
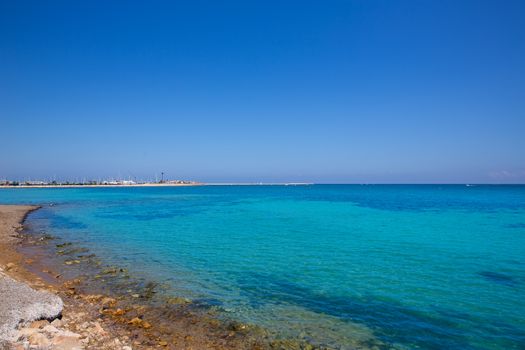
(429, 267)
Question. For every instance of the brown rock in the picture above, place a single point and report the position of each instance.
(10, 266)
(135, 321)
(118, 312)
(39, 324)
(94, 298)
(109, 301)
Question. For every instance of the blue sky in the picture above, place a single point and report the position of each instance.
(323, 91)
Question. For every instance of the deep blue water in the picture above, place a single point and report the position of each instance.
(429, 267)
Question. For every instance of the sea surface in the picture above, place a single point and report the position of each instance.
(411, 267)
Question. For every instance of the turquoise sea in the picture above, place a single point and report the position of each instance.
(414, 267)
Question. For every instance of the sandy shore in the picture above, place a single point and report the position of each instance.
(40, 309)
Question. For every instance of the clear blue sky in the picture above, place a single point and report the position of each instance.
(324, 91)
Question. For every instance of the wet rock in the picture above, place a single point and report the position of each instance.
(45, 237)
(112, 271)
(286, 344)
(150, 290)
(72, 251)
(118, 312)
(237, 326)
(178, 301)
(109, 301)
(135, 321)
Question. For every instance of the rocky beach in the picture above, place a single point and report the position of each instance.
(37, 314)
(41, 309)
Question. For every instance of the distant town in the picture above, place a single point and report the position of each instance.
(54, 183)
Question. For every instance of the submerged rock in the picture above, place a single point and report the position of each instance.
(178, 301)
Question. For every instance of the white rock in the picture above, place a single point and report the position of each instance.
(19, 302)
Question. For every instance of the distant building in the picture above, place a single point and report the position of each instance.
(127, 182)
(110, 183)
(119, 182)
(179, 182)
(35, 183)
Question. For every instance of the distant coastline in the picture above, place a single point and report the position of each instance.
(153, 184)
(109, 185)
(93, 183)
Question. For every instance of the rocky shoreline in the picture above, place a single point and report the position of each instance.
(66, 314)
(39, 315)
